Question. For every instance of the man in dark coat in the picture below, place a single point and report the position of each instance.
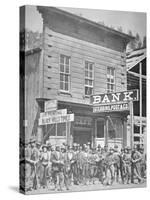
(136, 165)
(57, 168)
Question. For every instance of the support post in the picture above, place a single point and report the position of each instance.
(140, 66)
(68, 126)
(131, 125)
(124, 135)
(106, 132)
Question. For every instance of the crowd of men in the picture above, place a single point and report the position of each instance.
(60, 167)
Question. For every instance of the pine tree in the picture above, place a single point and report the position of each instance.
(144, 42)
(132, 44)
(138, 41)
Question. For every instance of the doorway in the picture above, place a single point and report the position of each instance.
(82, 137)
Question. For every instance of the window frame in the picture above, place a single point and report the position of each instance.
(64, 73)
(88, 78)
(56, 131)
(100, 120)
(109, 82)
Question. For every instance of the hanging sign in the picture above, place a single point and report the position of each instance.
(117, 97)
(56, 119)
(110, 108)
(50, 105)
(118, 101)
(53, 112)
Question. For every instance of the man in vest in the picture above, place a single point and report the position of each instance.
(57, 168)
(109, 163)
(127, 164)
(136, 165)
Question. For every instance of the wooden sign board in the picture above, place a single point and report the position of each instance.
(111, 107)
(53, 112)
(50, 105)
(117, 97)
(56, 119)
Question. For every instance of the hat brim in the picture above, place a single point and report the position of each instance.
(44, 146)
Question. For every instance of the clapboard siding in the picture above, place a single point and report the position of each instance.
(63, 43)
(78, 41)
(79, 52)
(88, 51)
(74, 99)
(84, 56)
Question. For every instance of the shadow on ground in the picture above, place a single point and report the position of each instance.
(14, 188)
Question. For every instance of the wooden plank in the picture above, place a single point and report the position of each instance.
(74, 47)
(71, 44)
(50, 94)
(77, 80)
(68, 98)
(99, 90)
(49, 73)
(50, 85)
(79, 91)
(84, 56)
(78, 56)
(103, 85)
(77, 85)
(68, 38)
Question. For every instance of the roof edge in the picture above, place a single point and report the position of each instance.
(68, 14)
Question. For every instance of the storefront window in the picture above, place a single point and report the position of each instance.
(56, 129)
(61, 129)
(115, 129)
(100, 129)
(51, 129)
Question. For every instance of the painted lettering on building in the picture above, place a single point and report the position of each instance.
(118, 97)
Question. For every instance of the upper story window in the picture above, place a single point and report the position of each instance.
(64, 73)
(89, 78)
(110, 79)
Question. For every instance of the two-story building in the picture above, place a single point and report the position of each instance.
(78, 58)
(136, 79)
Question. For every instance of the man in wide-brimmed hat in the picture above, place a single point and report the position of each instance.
(69, 159)
(109, 162)
(34, 160)
(57, 167)
(116, 162)
(136, 164)
(127, 164)
(44, 165)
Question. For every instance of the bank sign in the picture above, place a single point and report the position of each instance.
(118, 101)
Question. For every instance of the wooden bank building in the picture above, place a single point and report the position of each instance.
(81, 70)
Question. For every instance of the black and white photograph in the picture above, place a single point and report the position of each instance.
(83, 97)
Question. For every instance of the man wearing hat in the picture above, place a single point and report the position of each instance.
(116, 162)
(34, 160)
(143, 162)
(49, 167)
(85, 164)
(136, 164)
(101, 163)
(127, 164)
(68, 161)
(57, 168)
(109, 170)
(44, 166)
(93, 160)
(74, 165)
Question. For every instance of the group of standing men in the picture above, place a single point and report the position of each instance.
(59, 167)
